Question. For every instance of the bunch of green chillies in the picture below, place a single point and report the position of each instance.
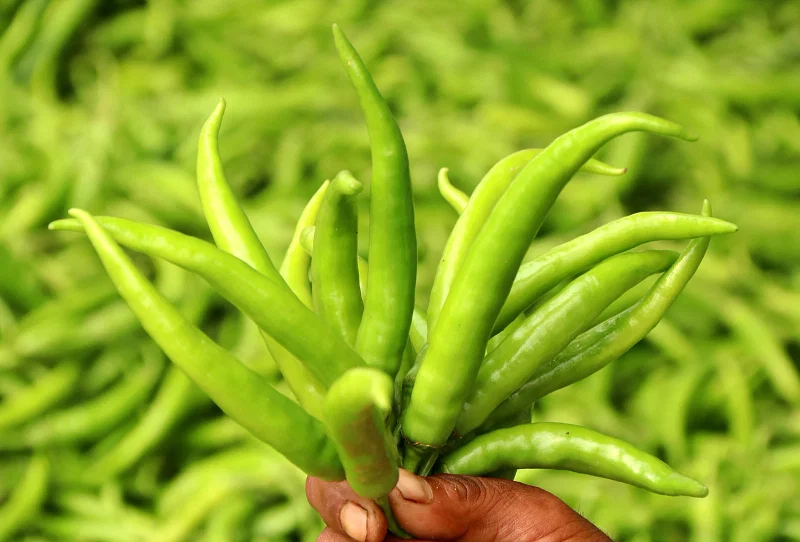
(376, 383)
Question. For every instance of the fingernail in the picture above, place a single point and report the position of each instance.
(414, 488)
(354, 521)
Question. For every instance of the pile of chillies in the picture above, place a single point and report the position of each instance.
(377, 384)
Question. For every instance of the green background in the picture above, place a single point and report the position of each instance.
(100, 107)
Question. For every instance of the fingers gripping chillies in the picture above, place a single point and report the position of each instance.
(392, 240)
(458, 338)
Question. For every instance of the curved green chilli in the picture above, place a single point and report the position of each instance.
(26, 499)
(546, 332)
(356, 409)
(539, 275)
(239, 392)
(569, 447)
(229, 225)
(392, 239)
(297, 262)
(233, 233)
(334, 262)
(327, 356)
(478, 207)
(456, 198)
(608, 340)
(458, 339)
(45, 392)
(417, 333)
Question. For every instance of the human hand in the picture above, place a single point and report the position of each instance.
(451, 508)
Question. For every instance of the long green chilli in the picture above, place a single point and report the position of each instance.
(229, 225)
(475, 212)
(234, 234)
(392, 239)
(539, 275)
(458, 339)
(571, 447)
(551, 327)
(242, 394)
(295, 327)
(334, 263)
(608, 340)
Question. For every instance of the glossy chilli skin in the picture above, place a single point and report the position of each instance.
(334, 263)
(540, 274)
(608, 340)
(328, 357)
(234, 234)
(244, 395)
(571, 447)
(477, 210)
(550, 328)
(458, 339)
(372, 383)
(392, 239)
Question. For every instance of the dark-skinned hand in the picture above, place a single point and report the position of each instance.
(454, 508)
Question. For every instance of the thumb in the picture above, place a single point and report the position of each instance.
(466, 508)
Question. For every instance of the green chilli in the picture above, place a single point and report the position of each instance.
(546, 332)
(234, 234)
(229, 225)
(458, 339)
(392, 239)
(356, 409)
(93, 418)
(169, 405)
(242, 394)
(608, 340)
(54, 386)
(477, 209)
(569, 447)
(297, 262)
(334, 262)
(26, 499)
(327, 356)
(539, 275)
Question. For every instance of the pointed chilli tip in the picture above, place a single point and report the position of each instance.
(706, 211)
(339, 38)
(214, 120)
